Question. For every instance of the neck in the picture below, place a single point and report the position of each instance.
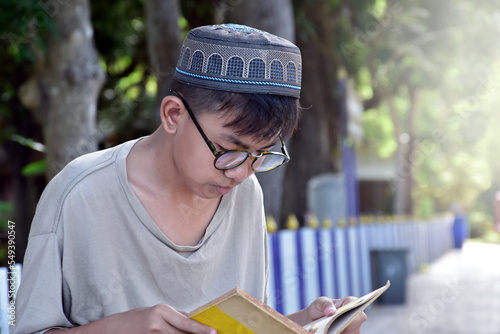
(179, 213)
(151, 168)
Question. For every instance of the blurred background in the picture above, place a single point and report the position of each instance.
(400, 97)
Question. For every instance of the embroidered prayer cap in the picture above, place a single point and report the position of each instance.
(241, 59)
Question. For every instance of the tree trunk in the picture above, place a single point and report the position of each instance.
(406, 157)
(275, 17)
(164, 43)
(312, 148)
(62, 95)
(64, 90)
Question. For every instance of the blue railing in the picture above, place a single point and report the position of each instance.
(306, 263)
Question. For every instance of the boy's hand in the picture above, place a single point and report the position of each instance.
(157, 319)
(325, 307)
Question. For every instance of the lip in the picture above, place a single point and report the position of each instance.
(223, 190)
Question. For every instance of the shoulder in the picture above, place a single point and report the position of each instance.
(250, 187)
(248, 197)
(83, 166)
(74, 175)
(251, 184)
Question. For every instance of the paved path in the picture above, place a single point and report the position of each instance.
(459, 294)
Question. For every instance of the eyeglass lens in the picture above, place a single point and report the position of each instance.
(233, 159)
(268, 162)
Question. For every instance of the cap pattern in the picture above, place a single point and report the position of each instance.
(240, 59)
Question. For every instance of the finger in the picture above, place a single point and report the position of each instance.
(182, 322)
(355, 326)
(341, 302)
(323, 306)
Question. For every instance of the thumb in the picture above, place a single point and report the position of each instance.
(321, 307)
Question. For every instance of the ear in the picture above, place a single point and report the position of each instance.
(171, 109)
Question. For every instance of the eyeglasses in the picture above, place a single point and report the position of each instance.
(228, 159)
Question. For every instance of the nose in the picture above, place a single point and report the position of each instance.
(240, 173)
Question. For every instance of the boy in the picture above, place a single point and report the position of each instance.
(128, 239)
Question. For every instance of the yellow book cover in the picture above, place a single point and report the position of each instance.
(238, 312)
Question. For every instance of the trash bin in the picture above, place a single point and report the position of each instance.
(390, 265)
(460, 230)
(326, 197)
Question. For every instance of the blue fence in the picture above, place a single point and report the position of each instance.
(307, 263)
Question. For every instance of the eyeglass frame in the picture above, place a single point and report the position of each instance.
(217, 154)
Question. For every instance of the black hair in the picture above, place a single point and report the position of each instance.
(261, 116)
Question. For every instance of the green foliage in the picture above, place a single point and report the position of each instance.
(364, 83)
(126, 106)
(6, 213)
(443, 50)
(27, 142)
(24, 25)
(35, 168)
(479, 224)
(379, 9)
(379, 133)
(458, 164)
(119, 29)
(126, 103)
(198, 13)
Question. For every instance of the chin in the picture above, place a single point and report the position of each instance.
(208, 192)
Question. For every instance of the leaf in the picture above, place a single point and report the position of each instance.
(28, 142)
(35, 168)
(6, 207)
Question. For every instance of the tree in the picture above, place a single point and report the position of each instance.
(428, 47)
(275, 17)
(322, 29)
(62, 93)
(54, 73)
(164, 42)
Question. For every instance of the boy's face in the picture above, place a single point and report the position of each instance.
(195, 161)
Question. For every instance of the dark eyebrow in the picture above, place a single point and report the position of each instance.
(239, 143)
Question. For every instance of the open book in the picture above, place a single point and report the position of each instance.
(238, 312)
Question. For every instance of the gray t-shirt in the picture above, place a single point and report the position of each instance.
(94, 250)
